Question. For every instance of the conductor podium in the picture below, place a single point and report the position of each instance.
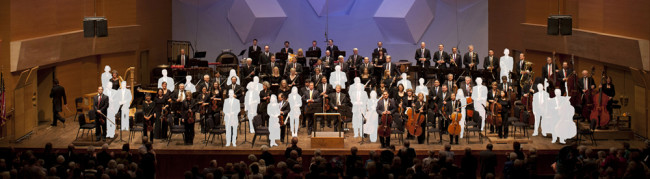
(327, 139)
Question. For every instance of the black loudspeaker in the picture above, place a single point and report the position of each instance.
(566, 25)
(559, 25)
(553, 26)
(89, 28)
(102, 28)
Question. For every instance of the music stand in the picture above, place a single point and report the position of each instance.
(281, 56)
(312, 53)
(199, 54)
(339, 53)
(346, 111)
(311, 110)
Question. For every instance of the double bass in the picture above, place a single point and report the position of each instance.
(588, 97)
(599, 112)
(384, 127)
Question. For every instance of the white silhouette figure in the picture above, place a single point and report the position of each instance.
(338, 77)
(231, 108)
(255, 85)
(188, 84)
(565, 127)
(273, 110)
(404, 81)
(372, 118)
(463, 102)
(357, 85)
(106, 83)
(539, 108)
(123, 96)
(550, 117)
(251, 100)
(479, 95)
(295, 102)
(359, 99)
(113, 107)
(505, 63)
(232, 73)
(422, 89)
(165, 78)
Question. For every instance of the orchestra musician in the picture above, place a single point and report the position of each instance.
(355, 60)
(148, 107)
(380, 59)
(450, 83)
(337, 99)
(505, 113)
(284, 88)
(441, 58)
(444, 96)
(455, 60)
(273, 64)
(422, 56)
(188, 109)
(433, 91)
(471, 58)
(420, 106)
(292, 79)
(608, 88)
(265, 57)
(215, 109)
(202, 101)
(317, 75)
(160, 126)
(491, 64)
(286, 50)
(205, 83)
(100, 107)
(183, 59)
(366, 79)
(385, 106)
(408, 101)
(218, 78)
(284, 112)
(382, 88)
(521, 69)
(331, 47)
(390, 67)
(310, 98)
(265, 98)
(379, 48)
(254, 51)
(398, 93)
(367, 65)
(327, 62)
(563, 75)
(300, 58)
(177, 102)
(585, 84)
(467, 86)
(248, 71)
(453, 105)
(492, 97)
(115, 80)
(292, 64)
(275, 79)
(237, 89)
(324, 87)
(549, 72)
(314, 48)
(341, 62)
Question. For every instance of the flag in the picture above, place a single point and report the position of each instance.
(3, 108)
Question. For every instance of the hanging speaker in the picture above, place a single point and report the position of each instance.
(553, 25)
(89, 28)
(566, 25)
(102, 28)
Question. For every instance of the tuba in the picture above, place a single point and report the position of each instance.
(528, 76)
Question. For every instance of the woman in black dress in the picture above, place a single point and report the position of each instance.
(366, 79)
(284, 88)
(505, 112)
(408, 101)
(216, 103)
(275, 79)
(115, 80)
(399, 93)
(189, 109)
(148, 107)
(381, 88)
(160, 125)
(609, 90)
(420, 107)
(292, 79)
(166, 92)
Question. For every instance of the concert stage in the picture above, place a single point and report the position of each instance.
(200, 154)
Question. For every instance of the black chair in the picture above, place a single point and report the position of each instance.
(85, 127)
(397, 129)
(516, 123)
(214, 130)
(137, 125)
(77, 101)
(260, 129)
(174, 129)
(584, 132)
(475, 129)
(432, 129)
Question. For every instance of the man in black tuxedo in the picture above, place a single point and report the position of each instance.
(505, 85)
(327, 61)
(284, 111)
(183, 59)
(422, 56)
(337, 100)
(218, 78)
(58, 95)
(491, 63)
(520, 69)
(248, 71)
(379, 48)
(332, 48)
(549, 72)
(314, 49)
(563, 76)
(272, 64)
(443, 98)
(341, 62)
(433, 93)
(239, 91)
(471, 59)
(286, 50)
(455, 60)
(450, 82)
(385, 106)
(311, 97)
(177, 98)
(586, 82)
(440, 57)
(100, 106)
(292, 64)
(205, 83)
(391, 67)
(254, 52)
(467, 86)
(324, 87)
(265, 57)
(366, 65)
(355, 59)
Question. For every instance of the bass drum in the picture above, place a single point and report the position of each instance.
(227, 61)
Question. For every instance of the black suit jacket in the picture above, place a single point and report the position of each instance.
(102, 106)
(202, 84)
(467, 59)
(315, 96)
(287, 68)
(443, 99)
(492, 96)
(393, 69)
(251, 52)
(392, 107)
(370, 67)
(187, 60)
(247, 70)
(284, 109)
(444, 56)
(328, 88)
(376, 51)
(463, 86)
(564, 74)
(238, 90)
(332, 49)
(495, 63)
(433, 93)
(265, 59)
(418, 55)
(519, 66)
(58, 95)
(345, 101)
(457, 58)
(501, 87)
(317, 50)
(284, 51)
(581, 83)
(545, 70)
(355, 61)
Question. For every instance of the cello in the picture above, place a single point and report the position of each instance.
(454, 127)
(599, 112)
(384, 127)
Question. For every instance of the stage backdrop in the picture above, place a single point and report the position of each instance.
(213, 25)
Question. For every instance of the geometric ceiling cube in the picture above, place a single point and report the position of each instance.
(256, 19)
(335, 7)
(404, 21)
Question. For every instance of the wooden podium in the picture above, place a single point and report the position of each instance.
(327, 139)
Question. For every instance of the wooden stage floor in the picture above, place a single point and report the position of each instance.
(61, 137)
